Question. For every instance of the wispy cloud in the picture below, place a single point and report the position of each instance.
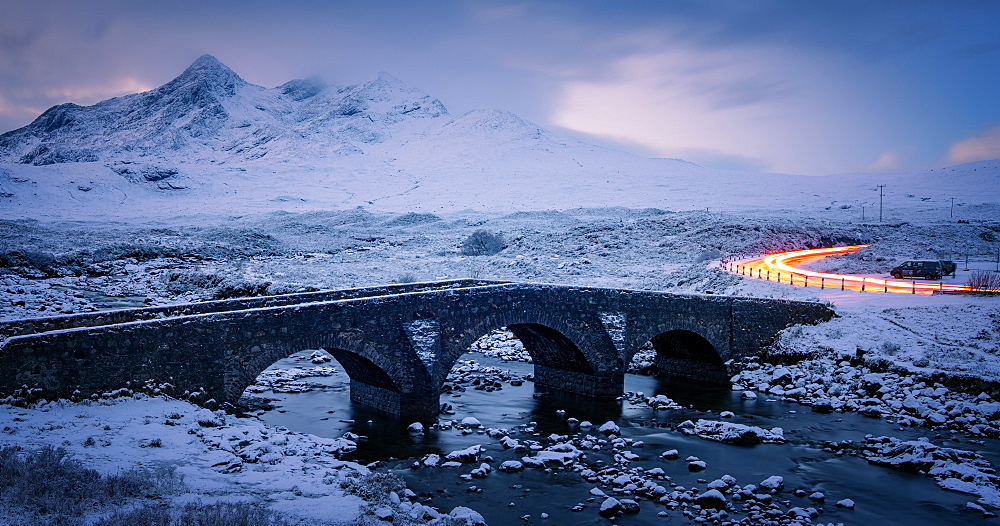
(88, 93)
(886, 162)
(13, 114)
(754, 103)
(981, 147)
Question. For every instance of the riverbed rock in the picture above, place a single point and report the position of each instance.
(511, 466)
(773, 483)
(609, 428)
(610, 507)
(466, 517)
(732, 432)
(469, 454)
(470, 422)
(712, 498)
(697, 465)
(629, 506)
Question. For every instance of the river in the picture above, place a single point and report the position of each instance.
(881, 495)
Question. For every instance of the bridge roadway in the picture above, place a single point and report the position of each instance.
(397, 343)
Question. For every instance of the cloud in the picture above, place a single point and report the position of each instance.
(886, 162)
(13, 115)
(985, 146)
(768, 106)
(98, 92)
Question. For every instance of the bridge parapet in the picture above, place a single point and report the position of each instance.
(9, 328)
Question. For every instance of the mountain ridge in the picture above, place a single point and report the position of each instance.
(210, 111)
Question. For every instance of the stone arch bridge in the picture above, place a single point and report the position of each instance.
(397, 343)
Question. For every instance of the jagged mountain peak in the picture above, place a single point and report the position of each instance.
(207, 61)
(301, 89)
(386, 100)
(207, 66)
(385, 88)
(206, 72)
(387, 81)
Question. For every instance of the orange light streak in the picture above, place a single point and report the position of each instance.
(782, 267)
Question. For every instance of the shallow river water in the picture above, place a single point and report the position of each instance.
(881, 496)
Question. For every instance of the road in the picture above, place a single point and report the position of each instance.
(783, 268)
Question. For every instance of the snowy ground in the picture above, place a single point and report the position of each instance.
(904, 340)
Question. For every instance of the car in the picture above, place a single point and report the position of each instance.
(930, 269)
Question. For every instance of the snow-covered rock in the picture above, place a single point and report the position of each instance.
(469, 454)
(732, 432)
(609, 428)
(773, 483)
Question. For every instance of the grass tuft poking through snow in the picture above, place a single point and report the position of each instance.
(196, 513)
(48, 486)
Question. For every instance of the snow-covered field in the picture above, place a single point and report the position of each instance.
(880, 355)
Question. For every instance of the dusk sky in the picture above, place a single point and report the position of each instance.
(791, 86)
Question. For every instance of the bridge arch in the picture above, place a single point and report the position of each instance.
(571, 354)
(551, 348)
(361, 369)
(682, 353)
(378, 379)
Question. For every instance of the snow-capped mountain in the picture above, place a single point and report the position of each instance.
(208, 112)
(210, 142)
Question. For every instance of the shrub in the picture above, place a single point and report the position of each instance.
(890, 348)
(988, 236)
(984, 281)
(403, 279)
(373, 487)
(30, 262)
(196, 514)
(482, 243)
(241, 289)
(155, 442)
(150, 514)
(227, 514)
(49, 484)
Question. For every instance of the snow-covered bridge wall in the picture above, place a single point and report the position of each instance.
(396, 343)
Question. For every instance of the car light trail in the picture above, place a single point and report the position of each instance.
(782, 267)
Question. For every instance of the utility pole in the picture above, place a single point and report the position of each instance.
(880, 187)
(862, 212)
(953, 208)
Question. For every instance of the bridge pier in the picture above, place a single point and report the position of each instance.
(691, 369)
(407, 406)
(600, 385)
(686, 354)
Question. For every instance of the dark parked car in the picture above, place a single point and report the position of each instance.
(923, 269)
